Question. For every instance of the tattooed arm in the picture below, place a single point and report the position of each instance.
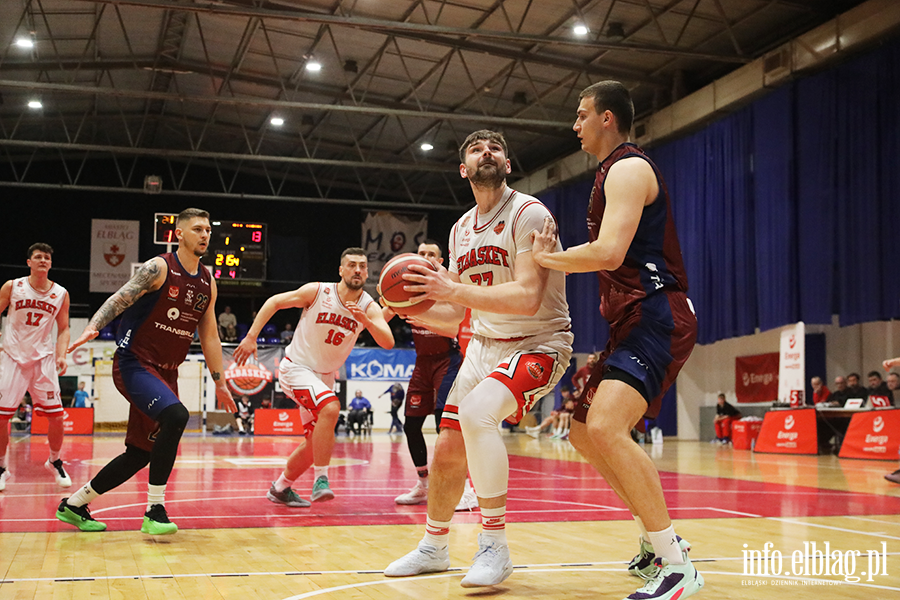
(148, 279)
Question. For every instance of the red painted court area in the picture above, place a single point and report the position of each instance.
(220, 482)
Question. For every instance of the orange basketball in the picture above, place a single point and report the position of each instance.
(391, 284)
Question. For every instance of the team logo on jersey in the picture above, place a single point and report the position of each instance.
(114, 256)
(173, 313)
(173, 291)
(53, 296)
(499, 227)
(19, 284)
(535, 369)
(464, 221)
(188, 296)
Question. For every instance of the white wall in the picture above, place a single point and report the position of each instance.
(710, 370)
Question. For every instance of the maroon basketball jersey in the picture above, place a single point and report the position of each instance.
(159, 327)
(429, 343)
(653, 261)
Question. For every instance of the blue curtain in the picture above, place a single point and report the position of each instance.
(786, 210)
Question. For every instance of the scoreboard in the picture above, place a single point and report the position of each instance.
(237, 249)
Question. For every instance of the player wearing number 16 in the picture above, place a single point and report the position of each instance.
(334, 314)
(30, 359)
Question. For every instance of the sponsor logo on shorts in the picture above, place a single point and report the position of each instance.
(415, 400)
(535, 369)
(51, 395)
(638, 361)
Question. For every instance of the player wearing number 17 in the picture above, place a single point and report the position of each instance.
(334, 314)
(30, 359)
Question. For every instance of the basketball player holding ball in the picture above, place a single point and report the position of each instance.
(520, 349)
(334, 314)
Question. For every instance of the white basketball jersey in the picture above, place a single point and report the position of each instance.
(326, 332)
(31, 316)
(483, 251)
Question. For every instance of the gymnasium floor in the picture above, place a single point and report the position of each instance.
(570, 537)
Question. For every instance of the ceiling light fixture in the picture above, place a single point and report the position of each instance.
(25, 42)
(313, 65)
(580, 29)
(276, 121)
(35, 104)
(426, 147)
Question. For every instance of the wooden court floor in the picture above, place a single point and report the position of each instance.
(570, 537)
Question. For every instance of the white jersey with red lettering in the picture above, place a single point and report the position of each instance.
(30, 319)
(326, 331)
(483, 251)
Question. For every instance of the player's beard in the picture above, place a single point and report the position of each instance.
(487, 175)
(353, 285)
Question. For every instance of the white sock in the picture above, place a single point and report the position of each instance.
(156, 494)
(493, 524)
(83, 496)
(437, 533)
(665, 544)
(3, 462)
(644, 535)
(320, 471)
(283, 483)
(54, 456)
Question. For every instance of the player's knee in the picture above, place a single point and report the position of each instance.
(329, 413)
(137, 457)
(578, 436)
(174, 417)
(450, 448)
(473, 415)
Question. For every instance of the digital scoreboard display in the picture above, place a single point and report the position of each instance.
(237, 250)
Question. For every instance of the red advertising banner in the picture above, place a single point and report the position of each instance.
(76, 421)
(873, 434)
(756, 378)
(277, 421)
(788, 432)
(743, 433)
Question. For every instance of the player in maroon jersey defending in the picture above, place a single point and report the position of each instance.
(643, 294)
(31, 360)
(166, 301)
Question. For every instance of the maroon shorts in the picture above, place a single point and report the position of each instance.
(424, 383)
(142, 429)
(646, 349)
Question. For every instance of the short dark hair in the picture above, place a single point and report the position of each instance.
(874, 374)
(355, 251)
(853, 375)
(722, 396)
(190, 213)
(431, 242)
(40, 247)
(483, 135)
(612, 96)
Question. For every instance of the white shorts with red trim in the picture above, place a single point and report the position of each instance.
(310, 390)
(37, 377)
(530, 368)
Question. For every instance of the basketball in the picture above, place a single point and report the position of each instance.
(391, 284)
